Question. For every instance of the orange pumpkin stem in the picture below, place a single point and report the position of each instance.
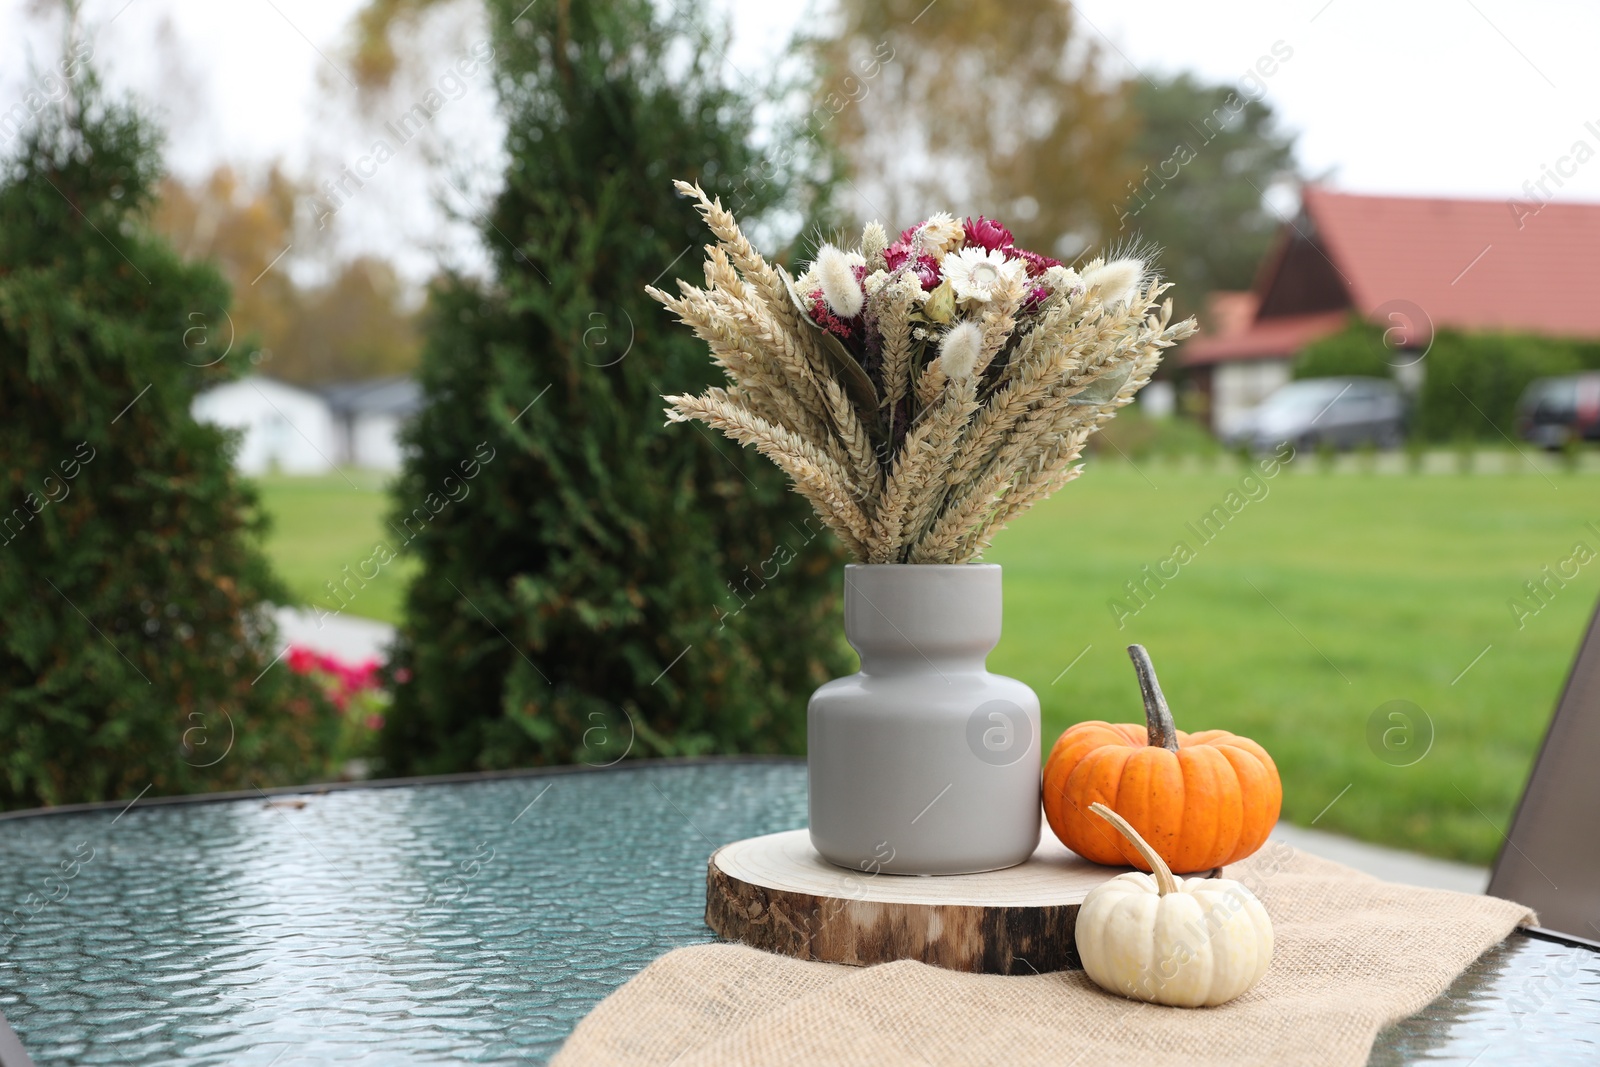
(1165, 882)
(1157, 716)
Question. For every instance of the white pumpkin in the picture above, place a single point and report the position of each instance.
(1187, 942)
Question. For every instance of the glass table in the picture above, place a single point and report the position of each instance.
(474, 920)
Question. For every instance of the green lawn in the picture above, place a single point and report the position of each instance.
(322, 525)
(1367, 589)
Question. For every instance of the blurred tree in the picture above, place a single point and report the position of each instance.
(135, 639)
(374, 57)
(241, 228)
(1206, 156)
(993, 106)
(355, 325)
(596, 583)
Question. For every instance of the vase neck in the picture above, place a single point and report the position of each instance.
(932, 618)
(877, 660)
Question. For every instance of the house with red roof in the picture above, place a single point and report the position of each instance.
(1409, 264)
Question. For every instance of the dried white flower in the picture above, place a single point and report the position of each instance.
(978, 274)
(941, 234)
(958, 352)
(1118, 281)
(836, 275)
(875, 282)
(1062, 280)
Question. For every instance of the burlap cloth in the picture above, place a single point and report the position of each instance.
(1353, 954)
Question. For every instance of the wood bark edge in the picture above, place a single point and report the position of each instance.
(861, 932)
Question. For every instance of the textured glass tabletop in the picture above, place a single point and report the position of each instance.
(474, 922)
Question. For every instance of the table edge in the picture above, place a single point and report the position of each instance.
(319, 788)
(1543, 933)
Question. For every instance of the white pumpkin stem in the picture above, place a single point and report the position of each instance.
(1165, 882)
(1162, 732)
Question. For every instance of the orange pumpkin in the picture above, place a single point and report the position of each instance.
(1201, 800)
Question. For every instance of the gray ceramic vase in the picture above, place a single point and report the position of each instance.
(923, 762)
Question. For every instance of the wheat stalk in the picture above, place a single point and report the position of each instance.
(818, 478)
(894, 323)
(946, 422)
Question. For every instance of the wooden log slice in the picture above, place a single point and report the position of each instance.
(776, 893)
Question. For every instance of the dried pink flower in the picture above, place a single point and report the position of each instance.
(926, 267)
(987, 233)
(1037, 264)
(823, 316)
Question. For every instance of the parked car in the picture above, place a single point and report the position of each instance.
(1554, 411)
(1340, 412)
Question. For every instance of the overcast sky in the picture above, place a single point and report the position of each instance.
(1452, 97)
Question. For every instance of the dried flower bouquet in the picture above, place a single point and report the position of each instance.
(919, 394)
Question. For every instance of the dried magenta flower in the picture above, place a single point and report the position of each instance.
(987, 233)
(1037, 264)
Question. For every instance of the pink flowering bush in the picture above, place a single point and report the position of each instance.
(356, 689)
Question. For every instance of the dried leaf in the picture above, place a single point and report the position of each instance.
(854, 377)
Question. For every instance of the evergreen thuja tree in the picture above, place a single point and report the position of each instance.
(595, 583)
(134, 639)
